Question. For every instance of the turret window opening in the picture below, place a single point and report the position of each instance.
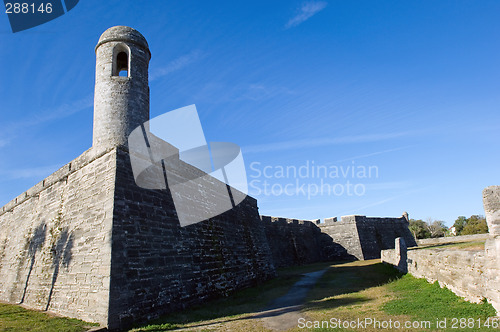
(122, 64)
(121, 61)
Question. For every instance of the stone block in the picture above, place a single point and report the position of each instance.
(491, 202)
(58, 175)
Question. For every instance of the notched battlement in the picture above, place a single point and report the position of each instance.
(289, 221)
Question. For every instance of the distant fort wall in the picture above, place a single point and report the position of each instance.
(364, 237)
(452, 239)
(295, 241)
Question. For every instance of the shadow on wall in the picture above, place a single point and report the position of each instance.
(35, 243)
(333, 251)
(61, 252)
(297, 242)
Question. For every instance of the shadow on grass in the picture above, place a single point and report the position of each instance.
(349, 278)
(333, 303)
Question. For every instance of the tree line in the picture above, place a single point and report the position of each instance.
(475, 224)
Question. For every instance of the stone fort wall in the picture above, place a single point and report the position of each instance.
(158, 266)
(471, 274)
(364, 237)
(295, 242)
(88, 243)
(55, 240)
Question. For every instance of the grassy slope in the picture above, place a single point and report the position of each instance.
(474, 245)
(15, 318)
(423, 301)
(353, 291)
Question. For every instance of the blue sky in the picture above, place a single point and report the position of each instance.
(411, 88)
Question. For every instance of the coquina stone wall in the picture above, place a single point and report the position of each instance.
(364, 237)
(158, 266)
(55, 240)
(297, 242)
(88, 243)
(472, 274)
(345, 233)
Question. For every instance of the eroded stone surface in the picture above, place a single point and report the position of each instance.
(491, 202)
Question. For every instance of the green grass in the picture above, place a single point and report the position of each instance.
(424, 301)
(360, 290)
(14, 318)
(351, 291)
(349, 280)
(476, 245)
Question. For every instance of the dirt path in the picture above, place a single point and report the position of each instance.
(284, 312)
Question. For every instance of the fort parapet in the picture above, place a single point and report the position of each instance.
(294, 241)
(364, 237)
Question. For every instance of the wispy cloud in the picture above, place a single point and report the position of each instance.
(261, 92)
(372, 154)
(394, 185)
(386, 200)
(316, 142)
(28, 173)
(64, 110)
(307, 10)
(224, 92)
(177, 64)
(60, 112)
(377, 203)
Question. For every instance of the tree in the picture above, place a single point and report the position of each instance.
(418, 229)
(475, 225)
(436, 228)
(460, 224)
